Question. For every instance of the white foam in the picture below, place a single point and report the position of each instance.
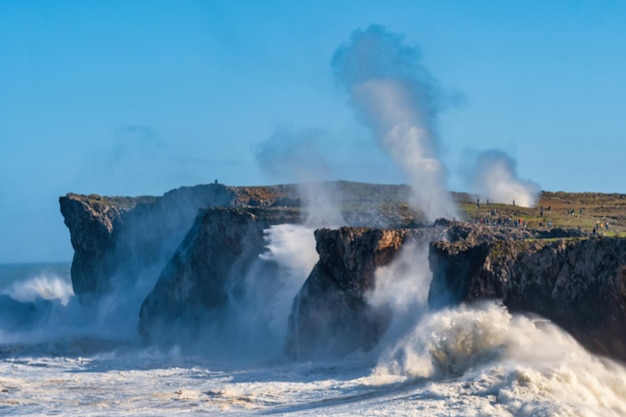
(292, 247)
(528, 366)
(46, 287)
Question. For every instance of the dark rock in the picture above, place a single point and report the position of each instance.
(123, 241)
(199, 281)
(578, 284)
(330, 316)
(118, 239)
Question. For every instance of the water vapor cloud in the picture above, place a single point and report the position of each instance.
(295, 156)
(399, 100)
(494, 176)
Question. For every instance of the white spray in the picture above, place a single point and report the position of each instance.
(400, 101)
(510, 364)
(293, 155)
(494, 177)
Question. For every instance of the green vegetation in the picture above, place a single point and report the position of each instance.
(562, 210)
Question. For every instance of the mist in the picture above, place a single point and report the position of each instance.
(400, 101)
(290, 155)
(493, 176)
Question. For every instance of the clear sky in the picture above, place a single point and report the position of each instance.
(139, 97)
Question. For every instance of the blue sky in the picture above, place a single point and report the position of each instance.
(139, 97)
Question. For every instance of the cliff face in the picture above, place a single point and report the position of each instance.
(330, 316)
(578, 284)
(201, 278)
(201, 256)
(119, 240)
(92, 222)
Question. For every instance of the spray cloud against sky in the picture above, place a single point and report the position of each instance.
(493, 176)
(294, 156)
(400, 101)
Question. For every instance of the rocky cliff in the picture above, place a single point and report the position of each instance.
(201, 278)
(331, 316)
(115, 240)
(579, 284)
(200, 255)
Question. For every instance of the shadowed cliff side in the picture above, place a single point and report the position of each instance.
(121, 241)
(202, 278)
(578, 284)
(331, 316)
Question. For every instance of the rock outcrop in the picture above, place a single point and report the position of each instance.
(201, 278)
(118, 241)
(201, 241)
(578, 284)
(330, 315)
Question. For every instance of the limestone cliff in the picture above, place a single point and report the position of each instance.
(201, 278)
(578, 284)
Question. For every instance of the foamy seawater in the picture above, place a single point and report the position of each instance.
(467, 361)
(136, 382)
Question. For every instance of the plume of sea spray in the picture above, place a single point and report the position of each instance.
(400, 101)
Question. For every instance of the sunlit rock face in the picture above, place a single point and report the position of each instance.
(578, 284)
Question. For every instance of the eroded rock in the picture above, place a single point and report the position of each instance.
(330, 316)
(201, 278)
(578, 284)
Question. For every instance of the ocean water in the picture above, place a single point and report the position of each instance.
(479, 360)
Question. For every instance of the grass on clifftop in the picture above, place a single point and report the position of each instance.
(562, 210)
